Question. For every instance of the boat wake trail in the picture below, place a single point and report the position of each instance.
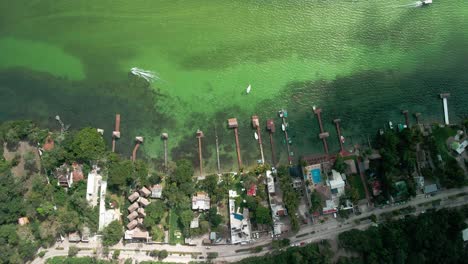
(149, 76)
(415, 4)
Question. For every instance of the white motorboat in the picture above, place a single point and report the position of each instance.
(423, 2)
(342, 139)
(248, 89)
(390, 124)
(256, 136)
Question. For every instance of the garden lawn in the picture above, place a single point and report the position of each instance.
(175, 234)
(355, 181)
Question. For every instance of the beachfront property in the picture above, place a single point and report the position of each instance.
(92, 186)
(201, 201)
(278, 211)
(239, 222)
(135, 229)
(136, 234)
(330, 188)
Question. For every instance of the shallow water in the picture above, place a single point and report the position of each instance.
(361, 61)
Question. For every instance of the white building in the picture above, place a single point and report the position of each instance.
(201, 201)
(239, 223)
(337, 184)
(270, 182)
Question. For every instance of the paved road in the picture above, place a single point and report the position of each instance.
(307, 234)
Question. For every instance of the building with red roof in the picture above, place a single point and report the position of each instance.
(252, 191)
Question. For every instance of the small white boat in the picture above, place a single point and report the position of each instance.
(390, 124)
(314, 107)
(248, 88)
(423, 3)
(256, 136)
(283, 127)
(342, 139)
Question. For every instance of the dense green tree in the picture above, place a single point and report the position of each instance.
(213, 217)
(185, 217)
(157, 233)
(154, 178)
(69, 220)
(73, 251)
(183, 172)
(263, 215)
(120, 174)
(154, 213)
(141, 172)
(112, 233)
(433, 237)
(315, 201)
(339, 164)
(11, 204)
(163, 254)
(88, 145)
(209, 184)
(116, 254)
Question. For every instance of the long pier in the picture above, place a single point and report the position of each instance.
(217, 150)
(337, 124)
(116, 132)
(271, 129)
(165, 137)
(256, 125)
(283, 115)
(323, 135)
(232, 123)
(138, 142)
(200, 158)
(444, 97)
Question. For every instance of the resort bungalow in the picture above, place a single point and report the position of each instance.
(201, 201)
(132, 224)
(143, 201)
(133, 196)
(132, 215)
(133, 207)
(145, 192)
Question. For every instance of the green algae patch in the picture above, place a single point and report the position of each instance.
(39, 56)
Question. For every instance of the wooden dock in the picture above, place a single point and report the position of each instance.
(116, 132)
(200, 135)
(232, 123)
(271, 129)
(256, 125)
